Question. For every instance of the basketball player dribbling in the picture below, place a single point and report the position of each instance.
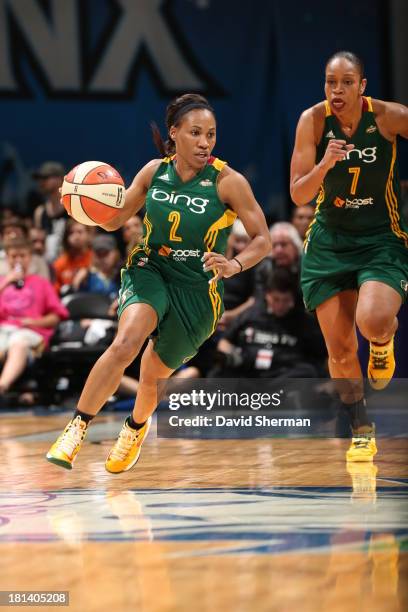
(171, 286)
(355, 265)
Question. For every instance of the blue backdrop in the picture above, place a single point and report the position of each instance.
(81, 79)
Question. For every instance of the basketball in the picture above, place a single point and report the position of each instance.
(93, 192)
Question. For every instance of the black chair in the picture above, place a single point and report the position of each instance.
(69, 357)
(87, 305)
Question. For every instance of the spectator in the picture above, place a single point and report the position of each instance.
(272, 339)
(29, 312)
(51, 216)
(72, 266)
(13, 228)
(132, 231)
(302, 217)
(287, 246)
(38, 238)
(286, 252)
(104, 274)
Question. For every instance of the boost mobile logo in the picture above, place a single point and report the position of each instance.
(178, 254)
(196, 205)
(356, 203)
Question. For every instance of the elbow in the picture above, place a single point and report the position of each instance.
(296, 196)
(266, 247)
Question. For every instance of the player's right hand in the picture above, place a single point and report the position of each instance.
(336, 151)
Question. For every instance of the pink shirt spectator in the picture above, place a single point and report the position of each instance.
(36, 299)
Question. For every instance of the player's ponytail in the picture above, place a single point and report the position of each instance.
(165, 148)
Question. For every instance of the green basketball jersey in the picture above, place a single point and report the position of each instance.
(183, 220)
(361, 194)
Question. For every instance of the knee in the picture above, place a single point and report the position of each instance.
(150, 376)
(19, 347)
(373, 323)
(123, 349)
(342, 353)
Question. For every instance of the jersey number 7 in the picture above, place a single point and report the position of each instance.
(356, 173)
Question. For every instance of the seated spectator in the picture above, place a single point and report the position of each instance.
(73, 265)
(14, 227)
(302, 217)
(287, 246)
(51, 216)
(104, 273)
(132, 231)
(272, 339)
(29, 311)
(286, 252)
(37, 238)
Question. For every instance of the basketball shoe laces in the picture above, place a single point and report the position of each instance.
(124, 444)
(380, 362)
(72, 436)
(361, 440)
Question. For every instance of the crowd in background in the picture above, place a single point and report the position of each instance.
(47, 257)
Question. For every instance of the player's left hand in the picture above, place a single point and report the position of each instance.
(223, 267)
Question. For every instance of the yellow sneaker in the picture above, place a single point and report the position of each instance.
(381, 364)
(364, 478)
(65, 449)
(362, 447)
(127, 447)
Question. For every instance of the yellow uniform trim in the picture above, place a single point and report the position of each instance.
(218, 164)
(392, 202)
(319, 200)
(149, 228)
(166, 160)
(226, 220)
(328, 109)
(135, 250)
(216, 304)
(210, 239)
(369, 103)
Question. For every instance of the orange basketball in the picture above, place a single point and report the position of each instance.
(93, 193)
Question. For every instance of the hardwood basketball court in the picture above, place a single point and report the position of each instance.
(267, 524)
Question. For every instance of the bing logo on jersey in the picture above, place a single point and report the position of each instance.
(339, 202)
(368, 155)
(196, 205)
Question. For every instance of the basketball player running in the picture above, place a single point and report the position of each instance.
(171, 285)
(355, 265)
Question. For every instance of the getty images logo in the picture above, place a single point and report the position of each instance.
(196, 205)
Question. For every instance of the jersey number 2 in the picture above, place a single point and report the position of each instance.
(174, 218)
(356, 173)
